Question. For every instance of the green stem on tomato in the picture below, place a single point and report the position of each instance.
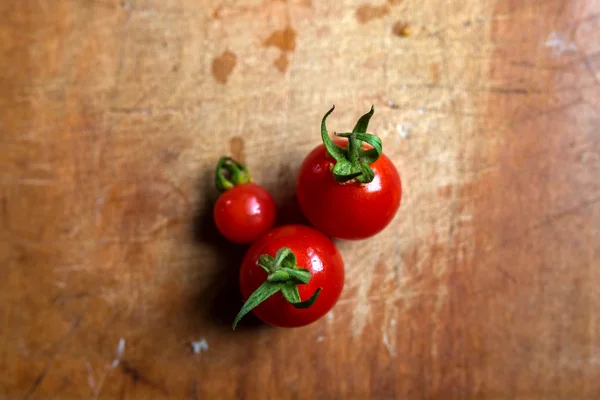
(353, 162)
(238, 174)
(283, 275)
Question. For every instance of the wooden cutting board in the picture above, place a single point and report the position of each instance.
(115, 284)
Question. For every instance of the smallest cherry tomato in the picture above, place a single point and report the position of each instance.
(244, 211)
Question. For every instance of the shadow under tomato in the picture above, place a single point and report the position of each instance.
(290, 213)
(288, 210)
(221, 299)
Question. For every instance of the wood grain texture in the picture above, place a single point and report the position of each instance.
(112, 115)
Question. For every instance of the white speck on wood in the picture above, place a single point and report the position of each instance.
(388, 345)
(91, 381)
(559, 44)
(402, 130)
(320, 339)
(421, 110)
(199, 346)
(391, 104)
(329, 317)
(119, 354)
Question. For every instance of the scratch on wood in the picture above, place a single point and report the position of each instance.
(176, 189)
(39, 379)
(507, 275)
(508, 90)
(399, 266)
(136, 376)
(548, 111)
(442, 294)
(362, 308)
(194, 390)
(548, 220)
(127, 110)
(91, 381)
(74, 296)
(99, 387)
(30, 182)
(588, 65)
(123, 40)
(388, 345)
(57, 349)
(4, 207)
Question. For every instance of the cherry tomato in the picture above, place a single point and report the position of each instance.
(244, 211)
(312, 252)
(348, 209)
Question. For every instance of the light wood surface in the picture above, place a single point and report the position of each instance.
(115, 285)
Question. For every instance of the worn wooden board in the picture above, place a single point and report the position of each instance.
(112, 115)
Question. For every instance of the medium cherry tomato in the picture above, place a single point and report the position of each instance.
(291, 276)
(244, 211)
(349, 190)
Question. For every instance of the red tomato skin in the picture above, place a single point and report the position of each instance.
(315, 252)
(352, 210)
(244, 212)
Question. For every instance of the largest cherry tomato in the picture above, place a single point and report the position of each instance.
(349, 190)
(244, 210)
(291, 276)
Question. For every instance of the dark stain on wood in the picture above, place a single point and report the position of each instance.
(282, 62)
(223, 66)
(217, 13)
(367, 13)
(284, 39)
(435, 73)
(236, 148)
(401, 29)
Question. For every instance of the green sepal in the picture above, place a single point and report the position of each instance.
(238, 174)
(309, 302)
(300, 275)
(283, 275)
(353, 162)
(279, 276)
(267, 263)
(291, 294)
(264, 291)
